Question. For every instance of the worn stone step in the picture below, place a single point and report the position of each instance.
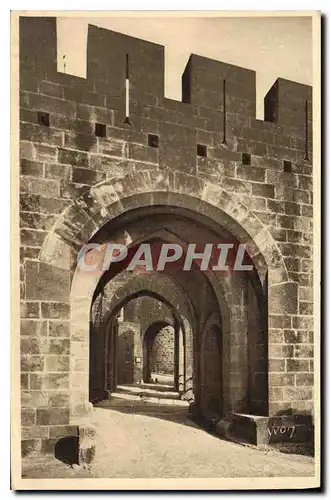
(146, 391)
(143, 400)
(126, 406)
(158, 387)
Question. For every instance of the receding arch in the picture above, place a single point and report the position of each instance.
(148, 340)
(106, 202)
(109, 199)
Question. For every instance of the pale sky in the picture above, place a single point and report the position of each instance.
(272, 46)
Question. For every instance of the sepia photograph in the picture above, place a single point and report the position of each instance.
(165, 200)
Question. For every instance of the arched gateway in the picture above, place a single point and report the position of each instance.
(232, 349)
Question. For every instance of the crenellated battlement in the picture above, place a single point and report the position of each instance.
(208, 86)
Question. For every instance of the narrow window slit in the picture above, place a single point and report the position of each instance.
(306, 132)
(127, 91)
(224, 112)
(202, 150)
(100, 130)
(43, 118)
(153, 140)
(246, 158)
(287, 166)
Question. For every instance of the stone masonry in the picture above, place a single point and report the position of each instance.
(213, 156)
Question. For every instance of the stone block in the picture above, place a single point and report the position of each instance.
(24, 381)
(34, 399)
(58, 328)
(33, 328)
(276, 336)
(41, 204)
(45, 154)
(34, 345)
(59, 431)
(303, 322)
(46, 282)
(74, 158)
(275, 206)
(111, 147)
(32, 238)
(52, 105)
(297, 393)
(86, 441)
(32, 363)
(284, 297)
(59, 399)
(81, 142)
(279, 321)
(58, 363)
(31, 168)
(290, 428)
(27, 150)
(276, 365)
(37, 134)
(306, 308)
(264, 190)
(48, 446)
(143, 153)
(38, 431)
(270, 430)
(51, 89)
(303, 351)
(59, 346)
(281, 379)
(297, 365)
(250, 429)
(36, 381)
(36, 221)
(81, 365)
(56, 381)
(294, 236)
(275, 393)
(280, 351)
(55, 310)
(251, 173)
(56, 171)
(307, 210)
(295, 336)
(86, 176)
(304, 379)
(236, 186)
(28, 416)
(55, 416)
(29, 446)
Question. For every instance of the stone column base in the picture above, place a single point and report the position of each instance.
(259, 430)
(86, 444)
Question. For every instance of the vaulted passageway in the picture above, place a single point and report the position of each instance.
(200, 328)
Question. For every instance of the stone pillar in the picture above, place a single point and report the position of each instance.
(181, 361)
(290, 353)
(129, 353)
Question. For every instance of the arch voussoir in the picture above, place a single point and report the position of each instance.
(110, 198)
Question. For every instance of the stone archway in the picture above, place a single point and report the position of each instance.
(108, 201)
(159, 351)
(211, 361)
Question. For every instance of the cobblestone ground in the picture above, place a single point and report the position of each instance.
(168, 445)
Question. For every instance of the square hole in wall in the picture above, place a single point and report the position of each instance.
(287, 166)
(201, 150)
(246, 158)
(100, 130)
(153, 140)
(43, 118)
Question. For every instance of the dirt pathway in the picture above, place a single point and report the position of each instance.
(168, 445)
